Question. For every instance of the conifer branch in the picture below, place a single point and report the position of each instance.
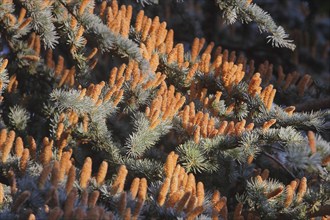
(144, 138)
(41, 16)
(107, 40)
(71, 116)
(241, 9)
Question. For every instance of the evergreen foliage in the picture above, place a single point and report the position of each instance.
(105, 116)
(247, 12)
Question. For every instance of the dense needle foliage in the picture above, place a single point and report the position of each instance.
(104, 115)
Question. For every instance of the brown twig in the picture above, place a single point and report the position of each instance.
(280, 163)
